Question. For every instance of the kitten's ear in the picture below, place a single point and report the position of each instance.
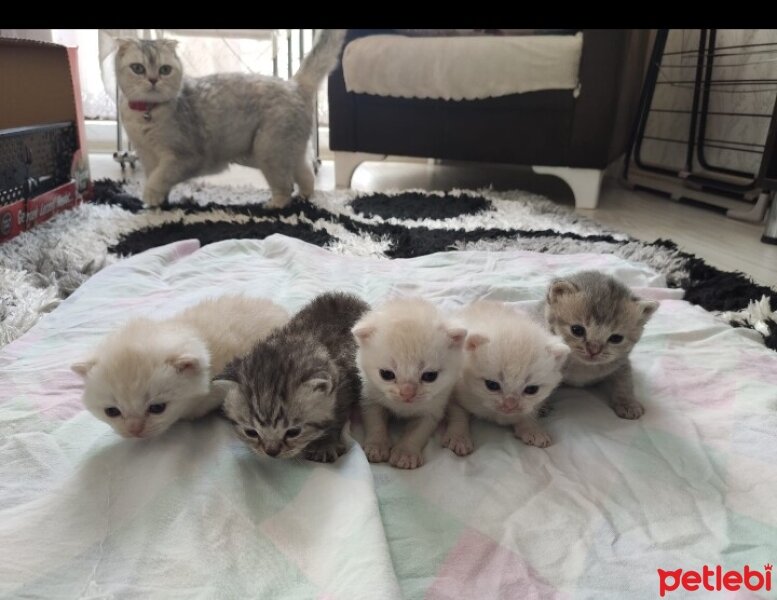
(82, 368)
(322, 383)
(475, 341)
(363, 332)
(559, 288)
(646, 308)
(187, 364)
(456, 336)
(233, 402)
(559, 351)
(224, 388)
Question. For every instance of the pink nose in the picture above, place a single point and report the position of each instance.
(510, 402)
(592, 348)
(407, 391)
(136, 427)
(152, 80)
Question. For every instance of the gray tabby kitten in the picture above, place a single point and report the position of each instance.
(601, 320)
(292, 394)
(185, 127)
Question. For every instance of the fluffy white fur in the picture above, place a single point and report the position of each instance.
(157, 372)
(406, 339)
(506, 349)
(185, 127)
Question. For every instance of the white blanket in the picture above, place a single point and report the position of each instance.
(461, 68)
(86, 514)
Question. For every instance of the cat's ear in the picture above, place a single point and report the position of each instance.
(646, 310)
(169, 44)
(363, 332)
(186, 364)
(82, 368)
(559, 351)
(231, 397)
(560, 288)
(321, 383)
(456, 336)
(122, 44)
(224, 388)
(475, 341)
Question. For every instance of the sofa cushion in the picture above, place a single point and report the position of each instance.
(461, 67)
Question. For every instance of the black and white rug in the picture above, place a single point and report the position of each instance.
(41, 267)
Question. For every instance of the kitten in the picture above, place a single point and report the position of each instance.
(410, 358)
(601, 320)
(511, 365)
(293, 393)
(149, 374)
(185, 127)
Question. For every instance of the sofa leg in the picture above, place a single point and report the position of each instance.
(346, 163)
(585, 183)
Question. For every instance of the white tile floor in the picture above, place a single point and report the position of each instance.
(722, 242)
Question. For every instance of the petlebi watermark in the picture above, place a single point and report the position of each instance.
(715, 579)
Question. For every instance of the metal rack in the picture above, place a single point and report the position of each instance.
(701, 90)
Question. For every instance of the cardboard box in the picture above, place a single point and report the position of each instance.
(44, 162)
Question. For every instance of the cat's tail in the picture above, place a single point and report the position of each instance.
(321, 60)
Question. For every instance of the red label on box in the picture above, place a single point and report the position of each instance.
(14, 218)
(43, 207)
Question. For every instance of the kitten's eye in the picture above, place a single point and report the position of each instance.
(615, 338)
(165, 70)
(429, 376)
(112, 412)
(293, 432)
(577, 330)
(530, 390)
(157, 409)
(387, 375)
(251, 433)
(137, 68)
(492, 385)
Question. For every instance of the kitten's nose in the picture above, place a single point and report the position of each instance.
(407, 391)
(272, 450)
(152, 80)
(510, 402)
(593, 348)
(136, 427)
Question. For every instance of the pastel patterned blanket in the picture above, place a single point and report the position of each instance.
(85, 514)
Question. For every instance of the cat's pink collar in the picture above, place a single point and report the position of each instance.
(142, 106)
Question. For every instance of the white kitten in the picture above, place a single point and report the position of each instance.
(410, 358)
(149, 374)
(511, 366)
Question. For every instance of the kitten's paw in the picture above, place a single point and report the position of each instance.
(460, 444)
(153, 198)
(629, 410)
(325, 454)
(534, 437)
(377, 452)
(405, 458)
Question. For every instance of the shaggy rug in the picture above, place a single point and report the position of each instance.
(44, 265)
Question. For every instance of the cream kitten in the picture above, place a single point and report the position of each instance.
(511, 365)
(149, 374)
(601, 320)
(409, 357)
(184, 127)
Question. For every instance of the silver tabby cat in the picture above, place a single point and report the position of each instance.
(186, 127)
(601, 320)
(293, 393)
